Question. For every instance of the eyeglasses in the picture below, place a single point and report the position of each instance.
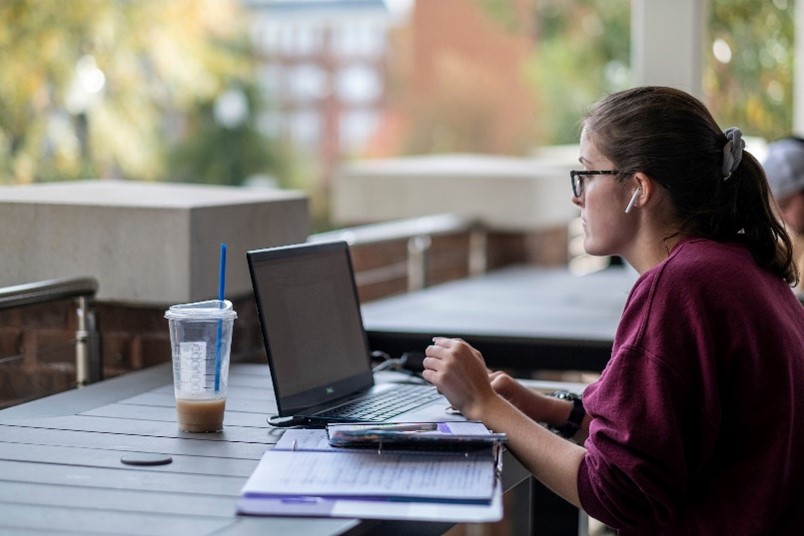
(576, 177)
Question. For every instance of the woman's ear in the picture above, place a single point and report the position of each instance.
(632, 203)
(643, 190)
(641, 185)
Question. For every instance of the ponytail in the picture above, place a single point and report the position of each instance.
(749, 218)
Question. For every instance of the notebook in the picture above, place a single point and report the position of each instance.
(316, 345)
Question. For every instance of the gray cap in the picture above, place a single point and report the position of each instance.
(784, 165)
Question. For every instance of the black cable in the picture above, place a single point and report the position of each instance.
(284, 422)
(413, 361)
(409, 363)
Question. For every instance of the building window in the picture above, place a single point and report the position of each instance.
(269, 77)
(308, 40)
(356, 127)
(363, 39)
(308, 82)
(305, 128)
(267, 38)
(359, 83)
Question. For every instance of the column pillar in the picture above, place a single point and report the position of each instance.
(798, 68)
(667, 43)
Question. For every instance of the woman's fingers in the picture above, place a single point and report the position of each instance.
(493, 375)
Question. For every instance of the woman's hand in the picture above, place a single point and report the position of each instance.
(507, 387)
(537, 406)
(460, 374)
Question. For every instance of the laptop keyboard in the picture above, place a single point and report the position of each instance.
(383, 405)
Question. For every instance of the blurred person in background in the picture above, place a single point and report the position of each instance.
(784, 165)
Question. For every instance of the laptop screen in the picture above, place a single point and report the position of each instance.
(311, 324)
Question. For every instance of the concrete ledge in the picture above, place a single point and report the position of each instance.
(505, 193)
(146, 243)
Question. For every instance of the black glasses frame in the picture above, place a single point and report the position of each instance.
(576, 177)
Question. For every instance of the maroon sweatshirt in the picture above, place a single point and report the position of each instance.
(698, 418)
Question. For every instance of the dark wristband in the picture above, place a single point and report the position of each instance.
(575, 419)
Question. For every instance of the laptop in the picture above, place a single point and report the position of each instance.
(316, 345)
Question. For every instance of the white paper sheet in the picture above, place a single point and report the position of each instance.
(429, 476)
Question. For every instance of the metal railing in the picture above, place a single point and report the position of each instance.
(419, 233)
(88, 361)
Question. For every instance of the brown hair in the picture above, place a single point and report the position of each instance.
(670, 136)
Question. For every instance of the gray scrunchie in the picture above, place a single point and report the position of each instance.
(732, 151)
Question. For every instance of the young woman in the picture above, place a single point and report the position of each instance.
(696, 426)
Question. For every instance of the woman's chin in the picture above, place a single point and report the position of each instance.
(591, 248)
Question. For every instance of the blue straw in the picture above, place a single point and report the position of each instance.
(221, 286)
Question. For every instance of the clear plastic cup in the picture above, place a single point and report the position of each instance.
(201, 340)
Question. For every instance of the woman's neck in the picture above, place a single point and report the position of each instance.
(650, 251)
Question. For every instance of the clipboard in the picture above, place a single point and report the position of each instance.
(443, 436)
(292, 479)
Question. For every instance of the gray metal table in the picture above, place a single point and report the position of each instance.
(523, 317)
(60, 468)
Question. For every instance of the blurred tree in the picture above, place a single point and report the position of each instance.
(749, 76)
(101, 88)
(223, 145)
(582, 52)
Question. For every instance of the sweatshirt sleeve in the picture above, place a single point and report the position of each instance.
(650, 430)
(633, 466)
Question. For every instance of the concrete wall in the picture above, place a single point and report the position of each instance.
(504, 193)
(145, 243)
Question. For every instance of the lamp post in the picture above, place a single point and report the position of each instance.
(84, 92)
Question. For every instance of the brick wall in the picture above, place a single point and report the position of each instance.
(37, 351)
(37, 343)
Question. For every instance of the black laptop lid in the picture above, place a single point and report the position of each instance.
(311, 323)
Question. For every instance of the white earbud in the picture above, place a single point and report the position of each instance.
(632, 202)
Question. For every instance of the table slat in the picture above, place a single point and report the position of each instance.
(191, 447)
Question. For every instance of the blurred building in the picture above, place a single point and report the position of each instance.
(349, 78)
(462, 83)
(323, 73)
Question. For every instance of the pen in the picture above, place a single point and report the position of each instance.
(302, 500)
